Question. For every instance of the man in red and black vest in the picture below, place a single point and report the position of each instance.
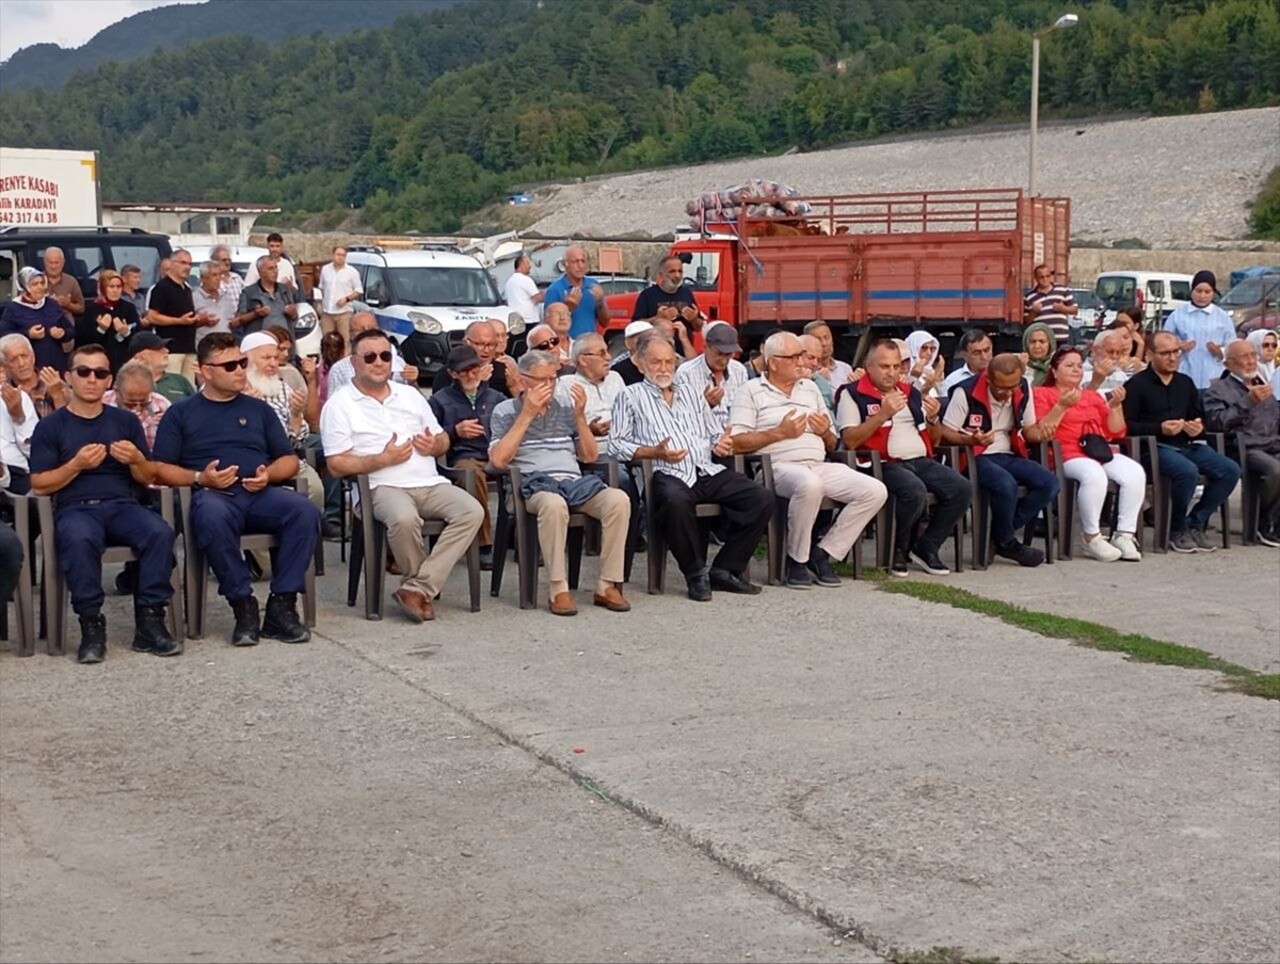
(993, 414)
(883, 413)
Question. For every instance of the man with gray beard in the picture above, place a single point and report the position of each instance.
(264, 381)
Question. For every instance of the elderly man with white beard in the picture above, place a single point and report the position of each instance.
(265, 382)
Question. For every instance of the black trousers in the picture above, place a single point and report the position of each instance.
(745, 505)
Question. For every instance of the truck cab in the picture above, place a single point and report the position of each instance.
(88, 251)
(425, 298)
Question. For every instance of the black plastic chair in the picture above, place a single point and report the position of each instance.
(26, 526)
(886, 521)
(982, 545)
(369, 548)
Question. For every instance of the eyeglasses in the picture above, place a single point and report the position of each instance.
(549, 343)
(372, 356)
(787, 357)
(229, 366)
(1166, 354)
(84, 371)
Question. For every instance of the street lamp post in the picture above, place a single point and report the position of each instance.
(1066, 20)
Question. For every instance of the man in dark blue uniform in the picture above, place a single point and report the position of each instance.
(88, 457)
(233, 448)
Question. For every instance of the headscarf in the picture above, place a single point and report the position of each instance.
(25, 277)
(1255, 338)
(1037, 370)
(916, 341)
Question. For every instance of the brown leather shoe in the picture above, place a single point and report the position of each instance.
(612, 600)
(415, 605)
(562, 605)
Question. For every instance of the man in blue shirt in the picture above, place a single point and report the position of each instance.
(1203, 330)
(88, 457)
(582, 294)
(234, 449)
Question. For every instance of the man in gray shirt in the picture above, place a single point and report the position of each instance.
(265, 303)
(544, 434)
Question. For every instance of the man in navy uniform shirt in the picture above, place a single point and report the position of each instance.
(88, 456)
(233, 448)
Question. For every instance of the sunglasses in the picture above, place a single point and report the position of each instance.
(229, 366)
(372, 356)
(549, 343)
(84, 371)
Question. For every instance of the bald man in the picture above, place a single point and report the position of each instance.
(581, 293)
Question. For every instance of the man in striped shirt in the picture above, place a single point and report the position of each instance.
(716, 373)
(1050, 303)
(670, 423)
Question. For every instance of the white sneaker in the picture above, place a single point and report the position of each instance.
(1100, 549)
(1128, 547)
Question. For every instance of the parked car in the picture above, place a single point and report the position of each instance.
(88, 251)
(1157, 293)
(1254, 303)
(1094, 314)
(425, 298)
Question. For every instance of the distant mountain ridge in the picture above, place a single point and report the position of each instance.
(173, 27)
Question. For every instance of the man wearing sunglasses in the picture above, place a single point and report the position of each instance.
(233, 449)
(544, 338)
(387, 431)
(89, 456)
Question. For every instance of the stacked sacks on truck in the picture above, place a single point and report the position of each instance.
(776, 200)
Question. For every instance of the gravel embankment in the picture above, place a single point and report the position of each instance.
(1170, 181)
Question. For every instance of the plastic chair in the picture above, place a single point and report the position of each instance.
(886, 521)
(369, 549)
(26, 526)
(55, 586)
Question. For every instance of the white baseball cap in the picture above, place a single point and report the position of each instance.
(636, 328)
(258, 339)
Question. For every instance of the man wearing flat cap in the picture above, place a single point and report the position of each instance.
(463, 410)
(716, 374)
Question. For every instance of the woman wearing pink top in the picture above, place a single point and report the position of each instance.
(1072, 413)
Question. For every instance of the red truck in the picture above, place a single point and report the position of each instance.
(873, 265)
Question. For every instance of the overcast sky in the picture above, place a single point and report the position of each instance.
(70, 23)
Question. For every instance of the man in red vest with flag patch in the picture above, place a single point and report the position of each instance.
(883, 413)
(993, 414)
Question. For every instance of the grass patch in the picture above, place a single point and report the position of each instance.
(1140, 648)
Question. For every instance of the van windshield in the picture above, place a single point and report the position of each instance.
(1248, 292)
(444, 287)
(1116, 291)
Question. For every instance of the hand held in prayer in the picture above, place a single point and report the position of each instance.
(126, 453)
(599, 426)
(90, 456)
(1172, 426)
(539, 397)
(1187, 346)
(1117, 397)
(423, 443)
(1193, 427)
(214, 478)
(724, 445)
(395, 454)
(1259, 393)
(35, 332)
(57, 332)
(297, 402)
(469, 428)
(670, 455)
(12, 400)
(931, 406)
(579, 396)
(895, 401)
(714, 394)
(819, 423)
(1069, 397)
(258, 481)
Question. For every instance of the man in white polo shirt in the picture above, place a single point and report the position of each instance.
(784, 416)
(340, 285)
(386, 430)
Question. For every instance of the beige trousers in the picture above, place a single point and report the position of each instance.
(184, 365)
(340, 322)
(482, 493)
(611, 507)
(402, 512)
(804, 484)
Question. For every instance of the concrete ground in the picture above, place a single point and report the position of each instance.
(824, 775)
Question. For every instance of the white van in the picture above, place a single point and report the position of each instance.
(1157, 293)
(425, 297)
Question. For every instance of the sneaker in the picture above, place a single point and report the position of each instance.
(820, 566)
(901, 564)
(1182, 542)
(927, 558)
(1100, 549)
(1269, 537)
(798, 575)
(1201, 540)
(1128, 546)
(1026, 556)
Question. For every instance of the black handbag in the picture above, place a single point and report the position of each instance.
(1095, 446)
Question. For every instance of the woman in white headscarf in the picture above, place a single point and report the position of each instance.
(1264, 343)
(927, 367)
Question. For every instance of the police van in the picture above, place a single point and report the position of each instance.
(424, 298)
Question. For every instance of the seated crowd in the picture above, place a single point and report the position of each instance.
(100, 416)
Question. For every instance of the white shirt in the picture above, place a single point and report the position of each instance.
(519, 292)
(840, 372)
(904, 436)
(337, 283)
(15, 440)
(222, 306)
(761, 406)
(285, 276)
(360, 424)
(956, 377)
(1110, 383)
(599, 396)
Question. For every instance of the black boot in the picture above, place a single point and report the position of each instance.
(151, 635)
(245, 632)
(93, 638)
(282, 621)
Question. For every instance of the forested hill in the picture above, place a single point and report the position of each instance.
(171, 28)
(439, 116)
